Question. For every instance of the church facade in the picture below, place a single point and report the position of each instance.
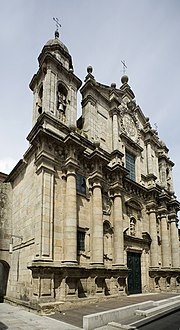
(90, 210)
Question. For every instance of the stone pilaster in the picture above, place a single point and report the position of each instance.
(47, 91)
(118, 231)
(44, 215)
(70, 220)
(153, 234)
(149, 158)
(115, 133)
(174, 241)
(97, 225)
(165, 240)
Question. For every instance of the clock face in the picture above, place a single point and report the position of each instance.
(129, 126)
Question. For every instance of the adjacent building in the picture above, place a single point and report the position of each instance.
(90, 210)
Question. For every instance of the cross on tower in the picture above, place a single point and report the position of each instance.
(124, 67)
(57, 23)
(156, 126)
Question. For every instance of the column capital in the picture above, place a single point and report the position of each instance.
(116, 192)
(96, 180)
(70, 166)
(151, 207)
(162, 212)
(172, 217)
(114, 111)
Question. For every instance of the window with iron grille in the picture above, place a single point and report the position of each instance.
(80, 240)
(130, 165)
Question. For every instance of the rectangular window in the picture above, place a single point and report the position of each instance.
(80, 240)
(81, 184)
(130, 165)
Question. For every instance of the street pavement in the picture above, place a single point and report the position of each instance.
(75, 315)
(169, 322)
(18, 318)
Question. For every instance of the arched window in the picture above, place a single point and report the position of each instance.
(40, 97)
(61, 98)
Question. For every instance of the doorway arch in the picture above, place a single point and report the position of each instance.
(4, 272)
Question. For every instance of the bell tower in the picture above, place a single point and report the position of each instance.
(55, 85)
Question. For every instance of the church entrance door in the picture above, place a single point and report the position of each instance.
(134, 273)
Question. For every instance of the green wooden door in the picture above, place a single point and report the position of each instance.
(134, 273)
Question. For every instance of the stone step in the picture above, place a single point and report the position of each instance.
(93, 321)
(158, 309)
(164, 301)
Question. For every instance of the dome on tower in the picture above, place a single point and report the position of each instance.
(58, 50)
(56, 42)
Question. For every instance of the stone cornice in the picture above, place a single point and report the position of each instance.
(87, 99)
(90, 88)
(19, 167)
(164, 272)
(44, 119)
(134, 239)
(135, 146)
(135, 189)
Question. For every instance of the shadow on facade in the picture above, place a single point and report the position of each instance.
(4, 272)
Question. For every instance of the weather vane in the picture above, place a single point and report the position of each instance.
(124, 67)
(57, 23)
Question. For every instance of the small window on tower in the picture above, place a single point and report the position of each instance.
(61, 98)
(130, 165)
(40, 96)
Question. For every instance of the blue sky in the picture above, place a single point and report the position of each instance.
(144, 33)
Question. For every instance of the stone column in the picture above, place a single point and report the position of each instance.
(97, 226)
(153, 234)
(174, 243)
(118, 231)
(165, 241)
(70, 220)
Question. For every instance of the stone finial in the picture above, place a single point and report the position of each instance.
(56, 34)
(96, 143)
(113, 85)
(89, 69)
(124, 79)
(89, 75)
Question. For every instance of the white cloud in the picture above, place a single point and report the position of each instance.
(7, 164)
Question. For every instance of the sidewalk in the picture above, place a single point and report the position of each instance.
(17, 318)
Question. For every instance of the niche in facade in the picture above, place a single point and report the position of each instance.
(108, 234)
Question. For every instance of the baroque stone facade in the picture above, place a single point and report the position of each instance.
(90, 210)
